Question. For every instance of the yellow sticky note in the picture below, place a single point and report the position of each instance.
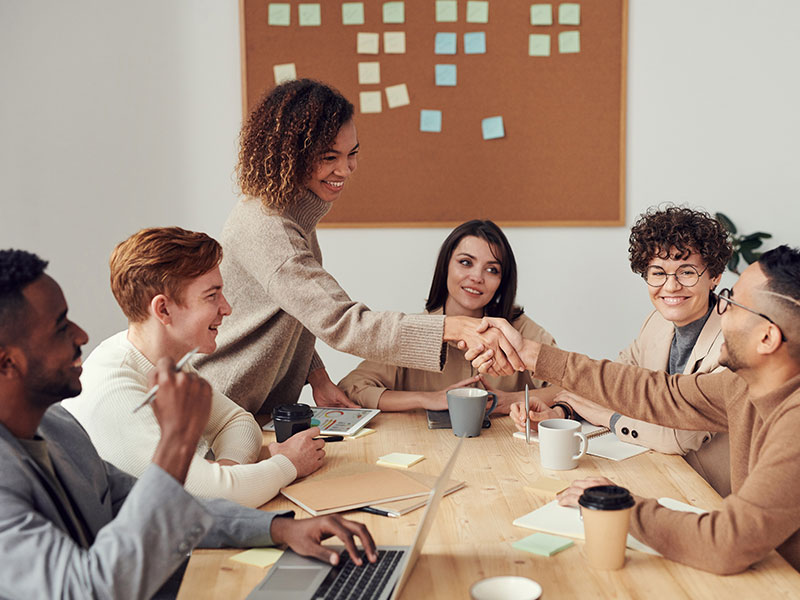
(397, 95)
(258, 557)
(370, 102)
(477, 11)
(367, 43)
(399, 459)
(286, 72)
(394, 12)
(394, 42)
(365, 431)
(369, 72)
(549, 484)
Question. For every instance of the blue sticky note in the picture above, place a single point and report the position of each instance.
(394, 12)
(569, 42)
(445, 43)
(475, 42)
(445, 75)
(492, 128)
(430, 120)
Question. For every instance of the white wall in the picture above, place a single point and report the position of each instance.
(115, 116)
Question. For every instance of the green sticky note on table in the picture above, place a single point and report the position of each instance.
(446, 11)
(258, 557)
(279, 14)
(352, 13)
(309, 15)
(394, 12)
(539, 44)
(569, 14)
(569, 42)
(541, 14)
(543, 544)
(477, 11)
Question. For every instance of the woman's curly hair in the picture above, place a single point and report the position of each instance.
(683, 229)
(284, 137)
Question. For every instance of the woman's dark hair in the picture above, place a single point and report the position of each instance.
(659, 230)
(502, 303)
(284, 137)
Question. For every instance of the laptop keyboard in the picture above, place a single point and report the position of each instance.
(348, 581)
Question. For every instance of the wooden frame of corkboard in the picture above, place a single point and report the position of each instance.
(561, 161)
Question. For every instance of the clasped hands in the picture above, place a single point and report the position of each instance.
(491, 344)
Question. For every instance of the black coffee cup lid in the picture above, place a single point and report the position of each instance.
(606, 497)
(292, 411)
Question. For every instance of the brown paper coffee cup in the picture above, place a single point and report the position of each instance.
(606, 514)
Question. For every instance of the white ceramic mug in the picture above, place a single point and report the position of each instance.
(507, 587)
(561, 444)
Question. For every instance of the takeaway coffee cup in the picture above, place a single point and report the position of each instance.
(606, 514)
(561, 444)
(467, 408)
(505, 587)
(290, 419)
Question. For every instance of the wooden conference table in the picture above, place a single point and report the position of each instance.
(471, 538)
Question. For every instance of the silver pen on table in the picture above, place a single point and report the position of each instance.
(154, 390)
(527, 417)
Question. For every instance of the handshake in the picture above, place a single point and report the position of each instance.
(492, 344)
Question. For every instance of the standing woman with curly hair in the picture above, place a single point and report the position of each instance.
(681, 254)
(297, 150)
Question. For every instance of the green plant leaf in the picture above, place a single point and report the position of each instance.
(749, 256)
(733, 262)
(749, 244)
(757, 235)
(726, 222)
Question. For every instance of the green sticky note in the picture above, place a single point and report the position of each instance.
(258, 557)
(477, 11)
(394, 12)
(279, 14)
(446, 11)
(309, 15)
(569, 14)
(430, 121)
(352, 13)
(539, 44)
(543, 544)
(569, 42)
(541, 14)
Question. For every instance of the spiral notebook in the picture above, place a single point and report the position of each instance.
(602, 442)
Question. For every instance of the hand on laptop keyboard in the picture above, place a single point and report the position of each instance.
(304, 537)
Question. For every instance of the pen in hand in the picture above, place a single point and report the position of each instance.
(527, 417)
(154, 390)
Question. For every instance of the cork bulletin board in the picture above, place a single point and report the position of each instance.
(524, 124)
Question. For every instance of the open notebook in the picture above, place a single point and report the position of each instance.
(602, 442)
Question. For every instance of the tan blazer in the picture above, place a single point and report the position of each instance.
(708, 453)
(370, 379)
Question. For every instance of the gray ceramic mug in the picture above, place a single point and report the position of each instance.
(467, 408)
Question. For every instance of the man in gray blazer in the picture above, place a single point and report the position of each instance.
(73, 526)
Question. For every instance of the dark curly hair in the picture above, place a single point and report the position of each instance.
(683, 229)
(284, 137)
(17, 269)
(502, 303)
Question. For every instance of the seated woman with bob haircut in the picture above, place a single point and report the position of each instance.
(475, 276)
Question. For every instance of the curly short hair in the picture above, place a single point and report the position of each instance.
(285, 136)
(683, 229)
(18, 268)
(159, 260)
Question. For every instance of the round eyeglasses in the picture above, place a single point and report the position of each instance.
(686, 275)
(724, 300)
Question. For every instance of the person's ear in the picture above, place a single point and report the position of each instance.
(715, 281)
(12, 362)
(770, 341)
(160, 307)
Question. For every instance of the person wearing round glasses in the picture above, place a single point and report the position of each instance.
(681, 254)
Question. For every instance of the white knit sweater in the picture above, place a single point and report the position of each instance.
(115, 382)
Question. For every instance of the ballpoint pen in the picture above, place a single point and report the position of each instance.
(154, 390)
(527, 417)
(376, 511)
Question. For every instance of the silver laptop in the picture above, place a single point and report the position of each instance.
(296, 577)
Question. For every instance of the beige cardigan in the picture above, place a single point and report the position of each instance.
(763, 510)
(283, 300)
(708, 453)
(367, 382)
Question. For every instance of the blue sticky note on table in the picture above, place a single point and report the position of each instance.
(394, 12)
(492, 128)
(569, 42)
(446, 75)
(430, 120)
(445, 43)
(543, 544)
(475, 42)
